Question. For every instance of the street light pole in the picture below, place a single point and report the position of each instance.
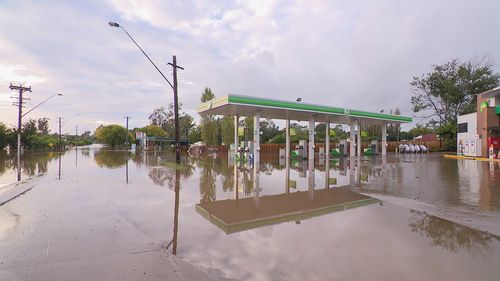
(26, 113)
(174, 87)
(60, 138)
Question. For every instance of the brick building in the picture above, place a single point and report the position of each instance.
(478, 132)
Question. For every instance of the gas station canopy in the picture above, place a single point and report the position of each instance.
(232, 105)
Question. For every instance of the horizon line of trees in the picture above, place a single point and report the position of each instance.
(35, 134)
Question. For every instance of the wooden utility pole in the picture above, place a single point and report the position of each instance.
(176, 110)
(60, 138)
(20, 102)
(126, 137)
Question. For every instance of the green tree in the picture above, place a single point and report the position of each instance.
(419, 130)
(29, 128)
(112, 135)
(4, 139)
(451, 89)
(43, 126)
(165, 118)
(393, 130)
(207, 95)
(268, 129)
(209, 125)
(247, 125)
(447, 133)
(227, 130)
(153, 131)
(195, 134)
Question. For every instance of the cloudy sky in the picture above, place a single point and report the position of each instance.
(358, 54)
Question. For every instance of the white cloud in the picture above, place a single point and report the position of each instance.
(18, 74)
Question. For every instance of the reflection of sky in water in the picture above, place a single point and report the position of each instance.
(125, 205)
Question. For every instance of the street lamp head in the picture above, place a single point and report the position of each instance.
(299, 99)
(60, 95)
(113, 24)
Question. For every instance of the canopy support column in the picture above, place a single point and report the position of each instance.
(310, 153)
(327, 140)
(236, 141)
(287, 142)
(352, 139)
(384, 139)
(358, 145)
(256, 139)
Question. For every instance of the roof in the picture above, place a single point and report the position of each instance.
(277, 109)
(491, 93)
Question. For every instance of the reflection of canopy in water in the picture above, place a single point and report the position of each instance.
(243, 214)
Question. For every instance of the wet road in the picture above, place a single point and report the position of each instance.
(292, 221)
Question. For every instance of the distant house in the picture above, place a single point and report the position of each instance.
(427, 137)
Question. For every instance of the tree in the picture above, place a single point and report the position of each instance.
(153, 131)
(194, 134)
(371, 132)
(393, 130)
(451, 89)
(420, 130)
(247, 125)
(227, 130)
(3, 136)
(207, 95)
(268, 129)
(112, 135)
(210, 131)
(209, 126)
(448, 133)
(186, 124)
(43, 126)
(165, 118)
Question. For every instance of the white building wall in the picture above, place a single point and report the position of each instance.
(468, 143)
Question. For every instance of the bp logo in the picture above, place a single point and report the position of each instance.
(347, 111)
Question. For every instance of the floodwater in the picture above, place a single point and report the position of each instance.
(283, 221)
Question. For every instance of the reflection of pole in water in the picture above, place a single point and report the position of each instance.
(311, 178)
(126, 171)
(287, 175)
(18, 166)
(358, 171)
(256, 181)
(351, 170)
(76, 156)
(327, 171)
(235, 184)
(176, 211)
(59, 173)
